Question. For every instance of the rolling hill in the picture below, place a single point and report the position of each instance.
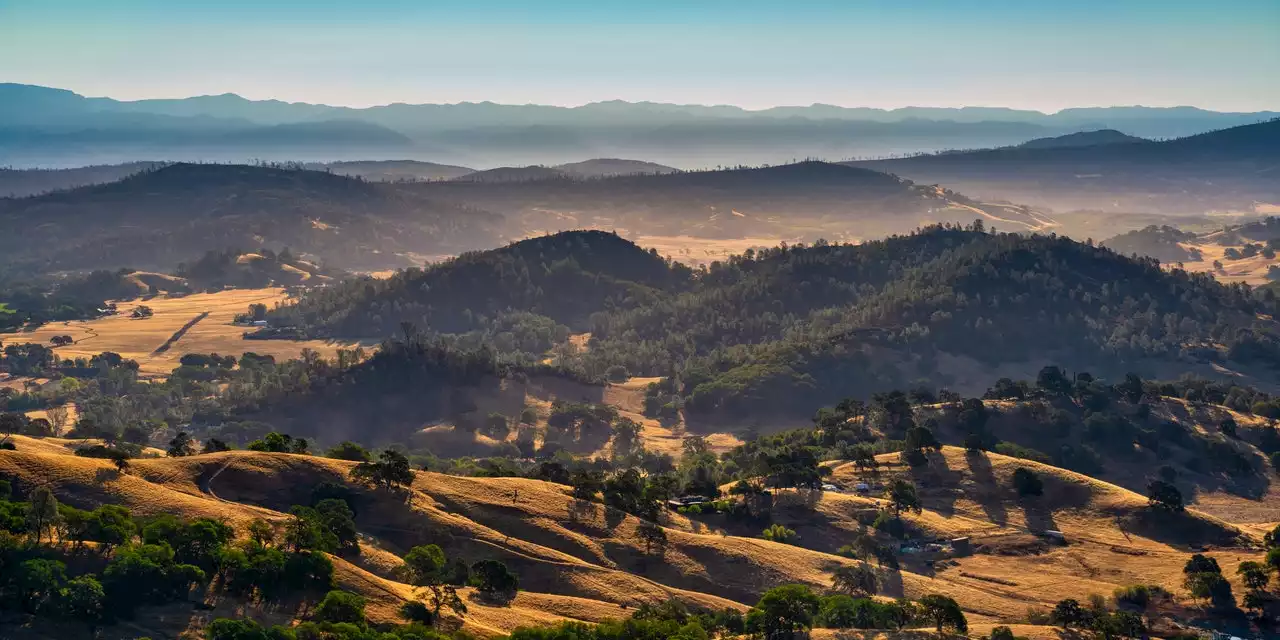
(17, 183)
(1082, 139)
(1230, 169)
(158, 218)
(802, 201)
(579, 560)
(782, 330)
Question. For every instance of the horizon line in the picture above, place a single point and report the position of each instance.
(232, 94)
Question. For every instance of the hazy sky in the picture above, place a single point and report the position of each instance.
(1222, 54)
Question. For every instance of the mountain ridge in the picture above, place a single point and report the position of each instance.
(57, 127)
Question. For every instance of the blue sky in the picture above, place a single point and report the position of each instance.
(1030, 54)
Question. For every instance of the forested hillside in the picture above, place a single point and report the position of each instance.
(787, 328)
(564, 277)
(158, 218)
(800, 200)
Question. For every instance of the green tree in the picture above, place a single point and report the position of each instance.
(1068, 613)
(424, 567)
(38, 581)
(348, 450)
(340, 607)
(416, 612)
(182, 445)
(1254, 574)
(42, 513)
(1200, 563)
(492, 578)
(653, 536)
(1001, 633)
(1210, 586)
(1163, 496)
(856, 580)
(83, 599)
(902, 497)
(1118, 624)
(783, 611)
(110, 525)
(943, 611)
(338, 519)
(262, 532)
(390, 471)
(306, 531)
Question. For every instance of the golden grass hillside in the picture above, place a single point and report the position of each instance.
(579, 560)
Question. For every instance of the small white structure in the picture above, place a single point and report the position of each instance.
(1056, 536)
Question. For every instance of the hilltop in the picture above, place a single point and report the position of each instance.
(132, 223)
(393, 170)
(1082, 139)
(1229, 169)
(512, 174)
(604, 167)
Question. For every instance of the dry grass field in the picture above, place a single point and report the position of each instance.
(581, 561)
(138, 339)
(1247, 270)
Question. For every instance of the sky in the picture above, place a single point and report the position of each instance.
(1030, 54)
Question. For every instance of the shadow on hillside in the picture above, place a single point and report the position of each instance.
(889, 582)
(1038, 515)
(1220, 463)
(1177, 529)
(938, 484)
(987, 493)
(555, 388)
(1253, 486)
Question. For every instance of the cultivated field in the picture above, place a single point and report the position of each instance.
(139, 339)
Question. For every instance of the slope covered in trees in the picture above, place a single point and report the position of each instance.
(784, 329)
(155, 219)
(805, 199)
(564, 277)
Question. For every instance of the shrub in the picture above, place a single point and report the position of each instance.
(1001, 633)
(779, 533)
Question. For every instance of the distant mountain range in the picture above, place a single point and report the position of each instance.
(41, 126)
(1234, 169)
